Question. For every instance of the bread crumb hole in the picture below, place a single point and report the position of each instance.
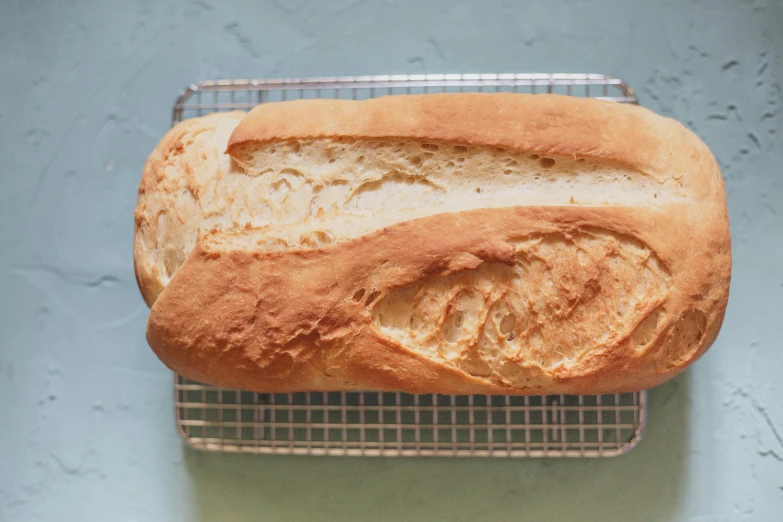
(429, 146)
(546, 162)
(295, 146)
(358, 295)
(507, 325)
(460, 149)
(332, 160)
(416, 161)
(273, 244)
(372, 297)
(685, 337)
(315, 239)
(534, 156)
(360, 159)
(647, 328)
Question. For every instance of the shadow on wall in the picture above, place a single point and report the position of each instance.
(646, 484)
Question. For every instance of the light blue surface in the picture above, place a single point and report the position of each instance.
(86, 419)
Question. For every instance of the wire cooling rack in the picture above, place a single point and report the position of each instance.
(393, 423)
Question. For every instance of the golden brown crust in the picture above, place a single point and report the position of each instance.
(280, 321)
(239, 316)
(548, 124)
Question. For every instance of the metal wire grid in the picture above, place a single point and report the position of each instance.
(376, 423)
(226, 95)
(392, 423)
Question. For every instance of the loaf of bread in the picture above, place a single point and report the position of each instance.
(449, 243)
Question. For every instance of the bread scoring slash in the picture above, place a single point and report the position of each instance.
(440, 243)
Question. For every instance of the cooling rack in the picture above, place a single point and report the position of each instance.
(377, 423)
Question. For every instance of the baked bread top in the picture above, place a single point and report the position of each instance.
(455, 243)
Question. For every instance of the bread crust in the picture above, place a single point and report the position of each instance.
(546, 124)
(240, 316)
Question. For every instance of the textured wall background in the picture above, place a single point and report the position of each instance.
(86, 420)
